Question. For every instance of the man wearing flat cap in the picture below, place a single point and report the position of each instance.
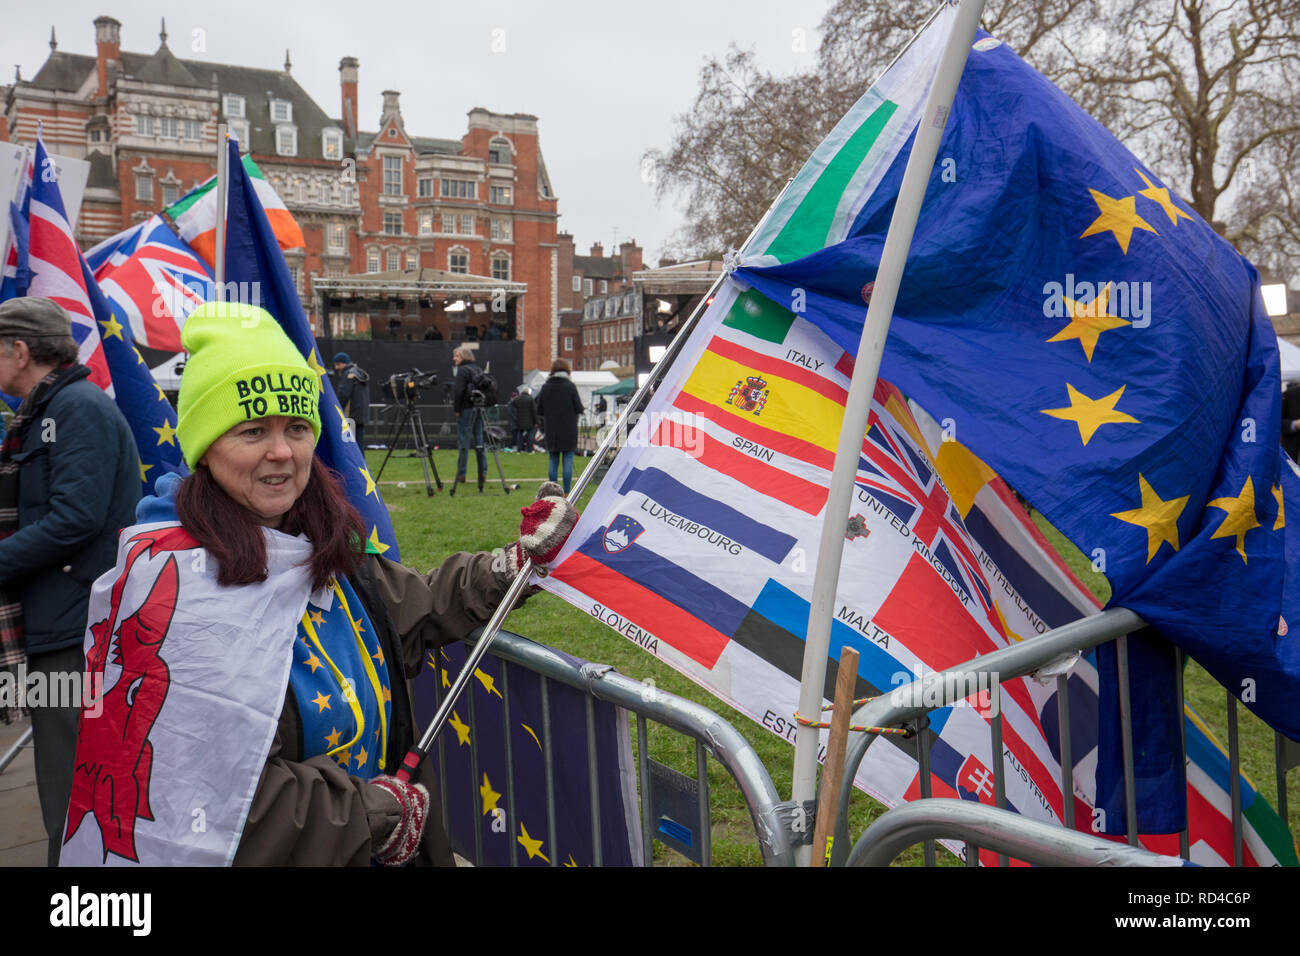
(69, 481)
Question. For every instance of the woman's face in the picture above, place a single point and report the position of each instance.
(263, 464)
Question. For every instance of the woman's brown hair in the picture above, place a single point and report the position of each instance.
(228, 530)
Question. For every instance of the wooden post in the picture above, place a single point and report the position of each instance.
(846, 676)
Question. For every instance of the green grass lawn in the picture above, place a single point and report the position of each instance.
(429, 529)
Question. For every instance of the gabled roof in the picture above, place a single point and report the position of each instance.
(597, 267)
(422, 144)
(163, 67)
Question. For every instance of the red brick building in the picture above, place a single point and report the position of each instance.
(380, 202)
(597, 317)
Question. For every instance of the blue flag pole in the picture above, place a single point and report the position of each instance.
(863, 385)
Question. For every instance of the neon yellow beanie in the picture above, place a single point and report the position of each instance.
(241, 366)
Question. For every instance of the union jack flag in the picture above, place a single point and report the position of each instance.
(153, 280)
(897, 475)
(14, 274)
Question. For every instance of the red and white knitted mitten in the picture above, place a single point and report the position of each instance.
(402, 843)
(545, 527)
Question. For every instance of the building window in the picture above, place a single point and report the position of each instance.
(458, 261)
(281, 111)
(426, 223)
(233, 106)
(467, 225)
(348, 197)
(372, 260)
(168, 127)
(392, 223)
(501, 230)
(629, 303)
(332, 144)
(604, 286)
(394, 260)
(143, 188)
(577, 283)
(392, 175)
(144, 125)
(501, 268)
(296, 272)
(412, 260)
(191, 129)
(239, 130)
(169, 195)
(335, 237)
(302, 191)
(286, 140)
(500, 195)
(459, 189)
(449, 224)
(586, 287)
(568, 343)
(424, 187)
(499, 151)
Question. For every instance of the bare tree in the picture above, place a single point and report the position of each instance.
(1206, 92)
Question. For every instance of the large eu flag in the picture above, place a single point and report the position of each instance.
(1094, 340)
(256, 272)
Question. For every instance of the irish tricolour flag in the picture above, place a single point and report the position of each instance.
(195, 215)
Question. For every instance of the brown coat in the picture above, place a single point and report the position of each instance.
(311, 812)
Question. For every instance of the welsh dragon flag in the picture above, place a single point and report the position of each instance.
(700, 544)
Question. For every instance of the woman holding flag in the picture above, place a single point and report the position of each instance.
(264, 654)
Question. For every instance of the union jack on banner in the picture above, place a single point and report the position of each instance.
(153, 280)
(897, 475)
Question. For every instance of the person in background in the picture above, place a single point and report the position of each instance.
(524, 411)
(1291, 421)
(69, 481)
(352, 386)
(346, 628)
(469, 427)
(559, 405)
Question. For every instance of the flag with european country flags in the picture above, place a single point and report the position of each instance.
(256, 270)
(701, 542)
(195, 213)
(59, 272)
(1094, 341)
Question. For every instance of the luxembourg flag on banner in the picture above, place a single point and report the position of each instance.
(256, 266)
(53, 257)
(153, 280)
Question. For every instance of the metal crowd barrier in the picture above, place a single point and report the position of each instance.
(1019, 660)
(712, 735)
(1043, 844)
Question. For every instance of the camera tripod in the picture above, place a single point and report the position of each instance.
(410, 416)
(478, 426)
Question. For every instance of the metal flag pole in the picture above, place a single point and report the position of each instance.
(858, 408)
(417, 753)
(223, 183)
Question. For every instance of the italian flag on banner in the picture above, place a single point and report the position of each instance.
(195, 215)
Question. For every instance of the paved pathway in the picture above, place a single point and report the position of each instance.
(22, 835)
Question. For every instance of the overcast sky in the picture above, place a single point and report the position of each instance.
(604, 79)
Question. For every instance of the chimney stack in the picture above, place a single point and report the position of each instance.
(108, 48)
(392, 109)
(597, 250)
(348, 89)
